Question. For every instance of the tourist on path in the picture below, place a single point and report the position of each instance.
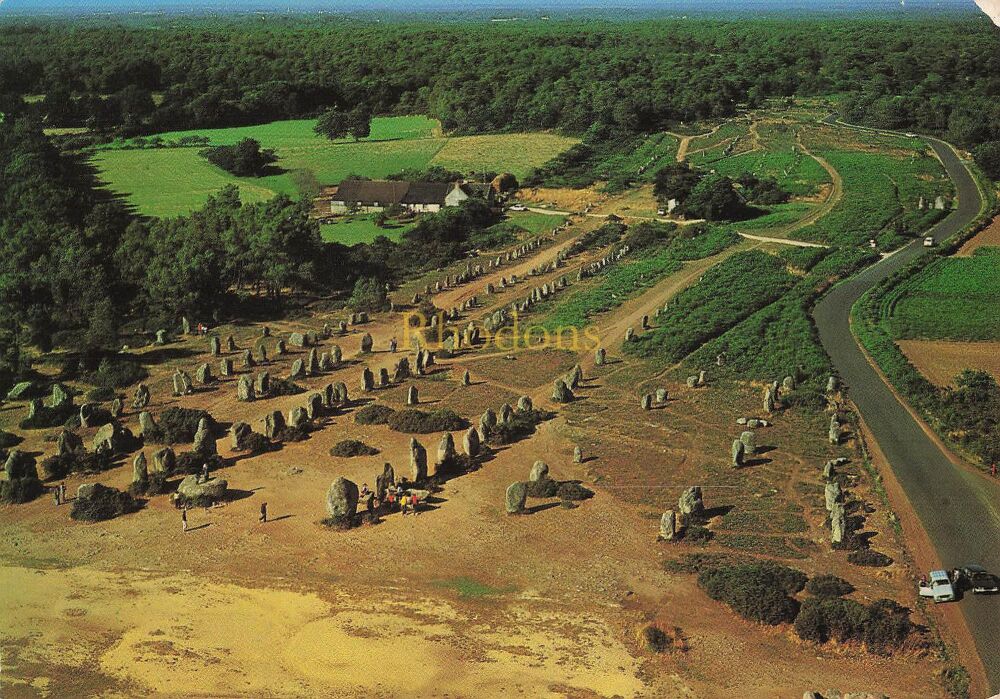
(263, 512)
(184, 519)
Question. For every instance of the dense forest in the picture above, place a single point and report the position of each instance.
(937, 74)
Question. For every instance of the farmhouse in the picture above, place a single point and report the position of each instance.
(369, 196)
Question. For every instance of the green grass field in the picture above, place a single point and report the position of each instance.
(172, 181)
(360, 229)
(955, 298)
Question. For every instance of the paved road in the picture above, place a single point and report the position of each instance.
(959, 509)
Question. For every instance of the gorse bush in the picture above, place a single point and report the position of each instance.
(178, 426)
(103, 503)
(116, 372)
(352, 447)
(374, 414)
(829, 586)
(882, 626)
(60, 466)
(758, 592)
(413, 421)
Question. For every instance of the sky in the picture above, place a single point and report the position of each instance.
(495, 6)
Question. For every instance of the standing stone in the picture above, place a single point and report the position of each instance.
(239, 435)
(226, 366)
(147, 426)
(661, 395)
(336, 355)
(204, 442)
(342, 500)
(164, 460)
(471, 442)
(647, 402)
(832, 384)
(182, 383)
(577, 455)
(366, 343)
(280, 348)
(367, 380)
(297, 417)
(488, 421)
(702, 378)
(834, 434)
(446, 453)
(89, 415)
(692, 382)
(262, 385)
(248, 360)
(506, 413)
(832, 494)
(838, 524)
(668, 525)
(384, 480)
(231, 344)
(265, 331)
(214, 346)
(539, 471)
(140, 470)
(516, 497)
(117, 408)
(630, 335)
(383, 377)
(263, 354)
(314, 406)
(411, 396)
(645, 322)
(749, 440)
(418, 461)
(600, 356)
(204, 374)
(313, 362)
(401, 372)
(34, 405)
(769, 400)
(185, 326)
(829, 470)
(69, 443)
(298, 340)
(298, 370)
(466, 378)
(340, 390)
(245, 389)
(60, 397)
(161, 337)
(274, 424)
(561, 392)
(737, 453)
(141, 397)
(324, 362)
(788, 384)
(691, 502)
(524, 404)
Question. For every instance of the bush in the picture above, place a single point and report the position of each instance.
(571, 491)
(373, 414)
(655, 639)
(8, 440)
(758, 592)
(543, 488)
(882, 626)
(101, 394)
(46, 417)
(887, 627)
(284, 387)
(869, 558)
(352, 447)
(190, 462)
(155, 484)
(697, 534)
(291, 434)
(116, 372)
(256, 443)
(369, 295)
(62, 465)
(20, 490)
(105, 503)
(521, 425)
(178, 426)
(412, 421)
(829, 586)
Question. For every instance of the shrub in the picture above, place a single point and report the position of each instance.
(823, 618)
(155, 484)
(571, 491)
(869, 558)
(887, 627)
(373, 414)
(352, 447)
(284, 387)
(829, 586)
(178, 426)
(104, 503)
(8, 440)
(62, 465)
(758, 592)
(46, 417)
(291, 434)
(698, 534)
(412, 421)
(543, 488)
(101, 394)
(20, 490)
(369, 295)
(655, 639)
(522, 424)
(116, 372)
(190, 462)
(256, 443)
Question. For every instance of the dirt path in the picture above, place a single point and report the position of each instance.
(682, 148)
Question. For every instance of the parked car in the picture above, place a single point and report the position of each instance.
(518, 207)
(661, 212)
(929, 242)
(938, 587)
(911, 135)
(977, 579)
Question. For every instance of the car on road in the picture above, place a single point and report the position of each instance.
(518, 207)
(977, 579)
(929, 242)
(938, 587)
(911, 135)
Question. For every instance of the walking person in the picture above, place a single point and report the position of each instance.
(62, 493)
(184, 519)
(993, 470)
(263, 512)
(413, 503)
(55, 496)
(204, 473)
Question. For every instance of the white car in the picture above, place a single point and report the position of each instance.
(518, 207)
(929, 242)
(911, 135)
(939, 587)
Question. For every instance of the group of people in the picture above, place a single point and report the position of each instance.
(184, 516)
(59, 494)
(396, 498)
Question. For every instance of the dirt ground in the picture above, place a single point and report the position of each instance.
(989, 236)
(461, 600)
(942, 360)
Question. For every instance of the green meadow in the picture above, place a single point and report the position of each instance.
(175, 180)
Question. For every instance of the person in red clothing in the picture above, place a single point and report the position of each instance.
(413, 502)
(993, 470)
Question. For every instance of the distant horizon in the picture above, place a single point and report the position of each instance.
(496, 8)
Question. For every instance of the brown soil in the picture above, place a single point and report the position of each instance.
(989, 236)
(942, 360)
